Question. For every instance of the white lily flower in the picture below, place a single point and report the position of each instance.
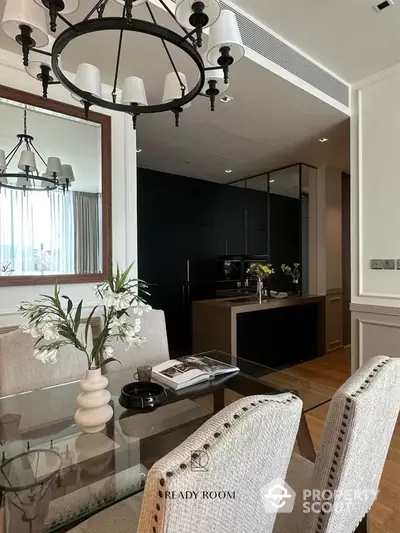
(122, 301)
(33, 330)
(109, 298)
(46, 355)
(118, 322)
(50, 332)
(108, 351)
(141, 308)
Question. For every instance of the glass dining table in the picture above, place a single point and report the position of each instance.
(53, 476)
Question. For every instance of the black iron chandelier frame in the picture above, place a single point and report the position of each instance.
(187, 43)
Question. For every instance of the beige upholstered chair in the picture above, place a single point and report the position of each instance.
(21, 372)
(354, 446)
(155, 349)
(226, 463)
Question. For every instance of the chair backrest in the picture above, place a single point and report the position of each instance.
(21, 372)
(213, 481)
(154, 351)
(356, 439)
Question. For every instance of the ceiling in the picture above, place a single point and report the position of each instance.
(76, 142)
(269, 123)
(348, 38)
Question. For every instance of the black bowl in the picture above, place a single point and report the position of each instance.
(142, 395)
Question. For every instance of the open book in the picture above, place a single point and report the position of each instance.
(189, 370)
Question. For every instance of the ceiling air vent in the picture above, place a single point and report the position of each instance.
(383, 5)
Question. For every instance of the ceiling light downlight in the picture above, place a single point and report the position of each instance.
(323, 140)
(25, 21)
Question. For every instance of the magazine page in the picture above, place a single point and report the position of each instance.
(209, 366)
(179, 372)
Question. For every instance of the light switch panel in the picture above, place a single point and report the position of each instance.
(377, 264)
(389, 264)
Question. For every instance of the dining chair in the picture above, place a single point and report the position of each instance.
(355, 442)
(21, 372)
(155, 349)
(214, 480)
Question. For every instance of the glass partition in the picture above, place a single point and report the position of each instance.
(285, 236)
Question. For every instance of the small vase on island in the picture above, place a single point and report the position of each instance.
(260, 288)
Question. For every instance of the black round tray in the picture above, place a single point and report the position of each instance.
(141, 395)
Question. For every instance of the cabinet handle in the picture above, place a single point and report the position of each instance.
(335, 299)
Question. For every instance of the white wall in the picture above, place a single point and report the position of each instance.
(375, 177)
(124, 217)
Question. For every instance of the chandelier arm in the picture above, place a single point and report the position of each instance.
(189, 35)
(13, 151)
(180, 25)
(36, 151)
(39, 51)
(95, 8)
(121, 35)
(183, 87)
(66, 21)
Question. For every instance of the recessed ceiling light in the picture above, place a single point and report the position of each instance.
(383, 5)
(323, 140)
(226, 99)
(138, 150)
(228, 171)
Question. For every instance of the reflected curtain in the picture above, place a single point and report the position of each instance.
(36, 232)
(87, 232)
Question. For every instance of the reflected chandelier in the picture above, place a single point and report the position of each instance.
(56, 176)
(25, 21)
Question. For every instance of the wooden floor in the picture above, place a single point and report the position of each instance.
(332, 370)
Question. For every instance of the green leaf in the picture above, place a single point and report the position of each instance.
(70, 304)
(109, 360)
(39, 340)
(125, 275)
(78, 313)
(88, 322)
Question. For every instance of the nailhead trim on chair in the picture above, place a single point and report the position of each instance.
(349, 401)
(226, 425)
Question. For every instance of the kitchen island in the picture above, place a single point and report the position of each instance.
(276, 333)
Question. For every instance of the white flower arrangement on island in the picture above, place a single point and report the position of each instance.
(53, 321)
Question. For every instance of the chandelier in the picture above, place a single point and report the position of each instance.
(56, 175)
(25, 21)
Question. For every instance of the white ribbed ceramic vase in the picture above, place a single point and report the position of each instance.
(94, 411)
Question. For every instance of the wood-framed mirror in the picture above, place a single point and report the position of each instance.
(59, 235)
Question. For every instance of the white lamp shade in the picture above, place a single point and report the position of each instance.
(27, 159)
(3, 164)
(67, 174)
(88, 79)
(23, 182)
(27, 13)
(135, 2)
(36, 60)
(54, 167)
(217, 75)
(172, 88)
(133, 91)
(70, 6)
(225, 32)
(184, 11)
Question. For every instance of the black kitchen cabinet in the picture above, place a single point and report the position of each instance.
(183, 220)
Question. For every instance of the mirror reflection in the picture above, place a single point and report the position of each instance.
(50, 193)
